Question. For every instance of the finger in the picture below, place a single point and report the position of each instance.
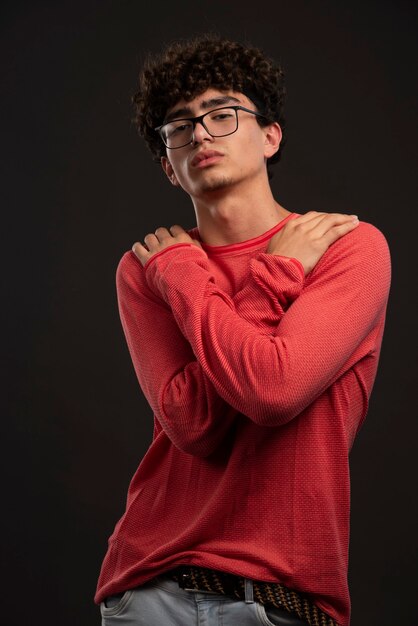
(307, 217)
(180, 234)
(312, 218)
(339, 231)
(306, 222)
(141, 252)
(177, 230)
(329, 221)
(162, 233)
(152, 241)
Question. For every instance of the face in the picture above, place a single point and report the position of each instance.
(210, 164)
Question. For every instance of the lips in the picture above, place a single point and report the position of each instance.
(205, 155)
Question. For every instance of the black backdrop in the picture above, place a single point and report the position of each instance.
(79, 187)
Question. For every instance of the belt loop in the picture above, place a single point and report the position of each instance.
(249, 591)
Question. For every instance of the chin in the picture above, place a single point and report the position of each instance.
(216, 184)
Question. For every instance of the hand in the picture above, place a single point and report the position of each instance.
(306, 238)
(161, 239)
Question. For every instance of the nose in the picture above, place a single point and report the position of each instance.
(200, 134)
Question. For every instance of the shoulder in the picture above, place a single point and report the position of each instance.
(362, 254)
(129, 271)
(363, 244)
(128, 263)
(368, 246)
(368, 235)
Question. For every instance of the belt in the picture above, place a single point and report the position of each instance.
(201, 579)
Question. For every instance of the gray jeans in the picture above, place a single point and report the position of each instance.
(161, 602)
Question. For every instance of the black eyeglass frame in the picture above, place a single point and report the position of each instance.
(199, 120)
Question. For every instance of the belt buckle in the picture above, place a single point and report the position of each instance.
(183, 581)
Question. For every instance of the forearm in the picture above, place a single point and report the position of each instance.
(277, 283)
(181, 396)
(272, 377)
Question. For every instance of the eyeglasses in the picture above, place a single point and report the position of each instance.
(218, 123)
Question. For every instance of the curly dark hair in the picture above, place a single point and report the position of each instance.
(186, 69)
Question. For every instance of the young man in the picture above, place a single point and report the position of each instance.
(255, 338)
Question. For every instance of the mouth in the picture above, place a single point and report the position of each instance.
(205, 158)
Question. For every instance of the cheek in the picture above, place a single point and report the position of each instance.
(179, 167)
(253, 143)
(182, 177)
(251, 154)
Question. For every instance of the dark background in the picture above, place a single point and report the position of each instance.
(79, 188)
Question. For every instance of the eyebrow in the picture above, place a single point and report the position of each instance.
(205, 104)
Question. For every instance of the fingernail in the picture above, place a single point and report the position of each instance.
(355, 218)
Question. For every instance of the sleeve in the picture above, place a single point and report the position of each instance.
(183, 399)
(272, 287)
(330, 322)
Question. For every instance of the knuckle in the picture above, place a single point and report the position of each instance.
(299, 226)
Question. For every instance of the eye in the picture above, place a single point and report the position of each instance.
(177, 129)
(171, 130)
(181, 128)
(219, 117)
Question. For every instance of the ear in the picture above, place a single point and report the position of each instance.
(168, 169)
(272, 138)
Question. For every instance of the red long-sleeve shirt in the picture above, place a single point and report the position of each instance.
(259, 379)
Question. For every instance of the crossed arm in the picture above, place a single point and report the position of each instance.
(183, 400)
(247, 362)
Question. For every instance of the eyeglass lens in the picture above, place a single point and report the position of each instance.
(218, 123)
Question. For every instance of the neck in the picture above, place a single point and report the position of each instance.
(231, 216)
